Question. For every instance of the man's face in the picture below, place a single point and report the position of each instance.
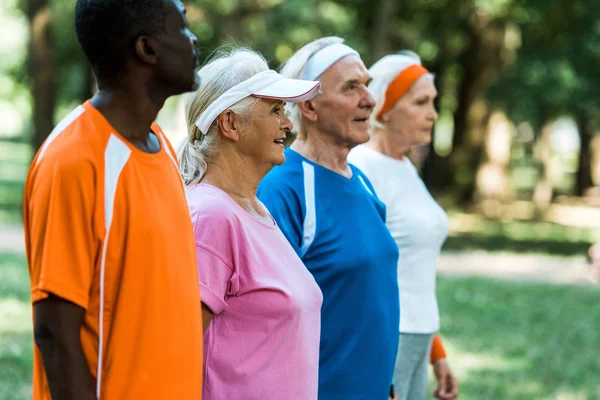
(178, 58)
(344, 107)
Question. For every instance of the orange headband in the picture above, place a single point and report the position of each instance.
(400, 86)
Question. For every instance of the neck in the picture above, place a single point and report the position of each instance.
(316, 147)
(236, 176)
(385, 143)
(131, 112)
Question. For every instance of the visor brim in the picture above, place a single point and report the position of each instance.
(292, 90)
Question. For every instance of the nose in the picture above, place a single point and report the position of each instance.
(286, 124)
(367, 100)
(434, 114)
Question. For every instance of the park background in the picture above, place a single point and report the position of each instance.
(515, 161)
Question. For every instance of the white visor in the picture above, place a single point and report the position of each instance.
(267, 84)
(325, 58)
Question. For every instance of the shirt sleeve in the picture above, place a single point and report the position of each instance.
(216, 278)
(285, 208)
(59, 226)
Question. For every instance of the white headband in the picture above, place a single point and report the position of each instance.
(267, 84)
(325, 58)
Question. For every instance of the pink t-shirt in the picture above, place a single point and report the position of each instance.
(263, 342)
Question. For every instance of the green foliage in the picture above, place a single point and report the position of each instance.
(522, 237)
(547, 66)
(556, 69)
(273, 27)
(554, 72)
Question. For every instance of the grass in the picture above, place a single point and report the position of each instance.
(14, 162)
(506, 341)
(16, 351)
(514, 341)
(470, 233)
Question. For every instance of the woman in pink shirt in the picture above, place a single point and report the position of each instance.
(261, 306)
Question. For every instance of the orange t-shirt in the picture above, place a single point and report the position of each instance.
(107, 227)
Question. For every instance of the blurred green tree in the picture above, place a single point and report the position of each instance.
(556, 74)
(533, 59)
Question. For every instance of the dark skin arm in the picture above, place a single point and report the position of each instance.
(207, 316)
(56, 329)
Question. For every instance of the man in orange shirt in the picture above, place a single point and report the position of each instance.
(110, 248)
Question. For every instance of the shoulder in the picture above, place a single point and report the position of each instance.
(283, 191)
(215, 217)
(366, 160)
(285, 179)
(77, 138)
(359, 155)
(74, 149)
(292, 168)
(361, 175)
(410, 167)
(210, 204)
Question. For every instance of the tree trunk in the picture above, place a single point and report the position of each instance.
(584, 170)
(481, 62)
(544, 191)
(595, 161)
(492, 184)
(42, 70)
(385, 19)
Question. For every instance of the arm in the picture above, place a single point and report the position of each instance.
(447, 385)
(56, 328)
(207, 316)
(61, 243)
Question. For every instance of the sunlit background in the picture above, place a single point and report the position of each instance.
(515, 161)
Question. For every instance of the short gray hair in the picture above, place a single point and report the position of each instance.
(383, 72)
(292, 68)
(227, 67)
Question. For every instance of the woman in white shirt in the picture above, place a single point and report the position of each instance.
(403, 119)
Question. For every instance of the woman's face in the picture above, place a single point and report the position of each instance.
(412, 117)
(266, 132)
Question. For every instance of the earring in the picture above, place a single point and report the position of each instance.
(197, 135)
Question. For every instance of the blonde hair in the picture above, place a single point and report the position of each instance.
(227, 67)
(383, 72)
(292, 68)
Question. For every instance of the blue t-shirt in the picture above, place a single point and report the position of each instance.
(337, 227)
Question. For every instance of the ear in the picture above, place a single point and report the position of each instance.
(229, 125)
(307, 109)
(146, 48)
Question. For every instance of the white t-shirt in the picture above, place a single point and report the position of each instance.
(419, 226)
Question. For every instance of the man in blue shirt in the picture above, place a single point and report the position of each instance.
(331, 215)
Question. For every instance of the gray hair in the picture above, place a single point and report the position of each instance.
(227, 67)
(292, 68)
(383, 72)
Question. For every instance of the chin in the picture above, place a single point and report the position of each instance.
(190, 83)
(426, 139)
(360, 137)
(279, 160)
